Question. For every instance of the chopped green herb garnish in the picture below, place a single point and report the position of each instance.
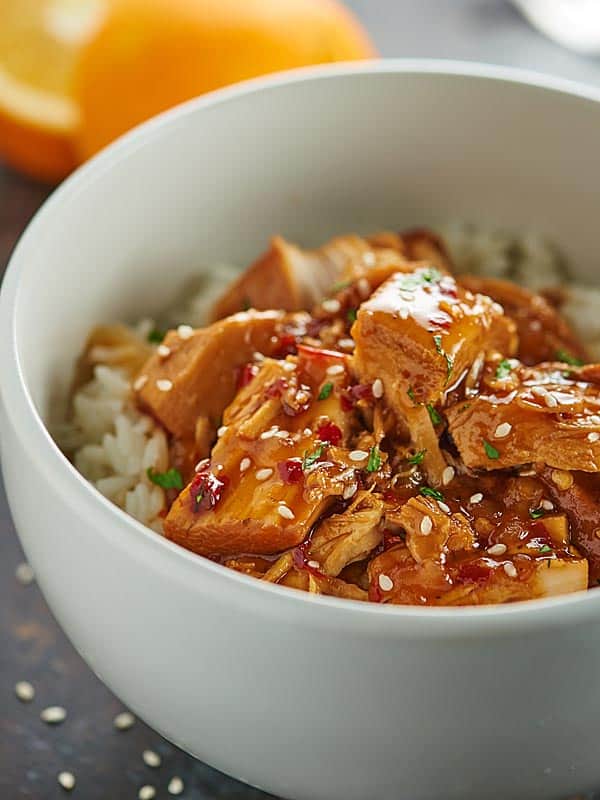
(490, 450)
(567, 358)
(156, 336)
(417, 458)
(374, 461)
(411, 394)
(171, 479)
(337, 287)
(545, 548)
(433, 415)
(466, 405)
(536, 513)
(310, 458)
(351, 315)
(427, 491)
(413, 280)
(326, 390)
(503, 369)
(437, 340)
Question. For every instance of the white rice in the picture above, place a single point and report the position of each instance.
(113, 444)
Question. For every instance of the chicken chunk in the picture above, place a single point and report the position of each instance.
(543, 333)
(288, 277)
(530, 414)
(273, 471)
(195, 373)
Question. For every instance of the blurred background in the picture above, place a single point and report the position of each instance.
(75, 74)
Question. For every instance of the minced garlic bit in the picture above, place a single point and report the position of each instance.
(497, 549)
(510, 569)
(164, 384)
(502, 430)
(476, 498)
(263, 474)
(185, 331)
(335, 369)
(151, 759)
(53, 715)
(24, 691)
(285, 512)
(331, 306)
(24, 573)
(66, 780)
(147, 792)
(245, 464)
(448, 475)
(386, 584)
(163, 351)
(377, 388)
(426, 526)
(175, 786)
(140, 382)
(124, 721)
(358, 455)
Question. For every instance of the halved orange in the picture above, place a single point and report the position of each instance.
(40, 42)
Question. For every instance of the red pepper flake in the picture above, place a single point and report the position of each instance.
(206, 491)
(346, 401)
(290, 471)
(301, 560)
(306, 351)
(277, 388)
(247, 373)
(329, 432)
(286, 346)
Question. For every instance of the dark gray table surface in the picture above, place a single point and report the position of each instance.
(107, 763)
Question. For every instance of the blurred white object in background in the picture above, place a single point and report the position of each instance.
(572, 23)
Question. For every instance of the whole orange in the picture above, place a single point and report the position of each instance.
(152, 54)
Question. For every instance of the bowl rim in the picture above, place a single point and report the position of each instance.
(124, 531)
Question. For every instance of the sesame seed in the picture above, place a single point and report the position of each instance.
(547, 505)
(593, 437)
(140, 382)
(185, 331)
(270, 433)
(335, 369)
(443, 507)
(245, 464)
(307, 432)
(24, 691)
(201, 464)
(497, 549)
(151, 759)
(594, 419)
(350, 491)
(175, 785)
(164, 385)
(53, 715)
(377, 388)
(24, 573)
(263, 474)
(285, 512)
(163, 351)
(510, 569)
(502, 430)
(476, 498)
(221, 430)
(539, 391)
(147, 792)
(302, 397)
(66, 780)
(331, 306)
(124, 721)
(386, 584)
(282, 434)
(358, 455)
(288, 366)
(313, 564)
(448, 475)
(258, 356)
(347, 343)
(550, 400)
(426, 526)
(364, 287)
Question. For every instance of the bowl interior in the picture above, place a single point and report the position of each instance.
(356, 148)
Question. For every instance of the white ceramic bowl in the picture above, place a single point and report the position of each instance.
(307, 697)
